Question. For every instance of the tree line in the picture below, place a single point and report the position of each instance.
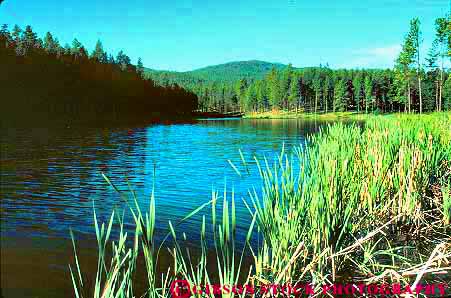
(410, 86)
(41, 80)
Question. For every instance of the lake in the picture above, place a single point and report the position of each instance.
(50, 179)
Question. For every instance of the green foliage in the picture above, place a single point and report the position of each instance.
(98, 53)
(29, 38)
(357, 84)
(123, 60)
(311, 88)
(241, 87)
(42, 82)
(51, 44)
(368, 93)
(339, 96)
(251, 98)
(257, 86)
(16, 33)
(140, 68)
(317, 87)
(233, 71)
(274, 89)
(285, 82)
(77, 48)
(438, 50)
(262, 97)
(294, 92)
(447, 94)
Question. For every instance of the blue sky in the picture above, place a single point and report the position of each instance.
(187, 34)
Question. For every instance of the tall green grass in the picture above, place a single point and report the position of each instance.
(350, 181)
(355, 204)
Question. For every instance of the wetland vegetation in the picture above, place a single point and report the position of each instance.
(361, 204)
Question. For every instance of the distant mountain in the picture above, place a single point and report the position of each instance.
(215, 86)
(236, 70)
(227, 72)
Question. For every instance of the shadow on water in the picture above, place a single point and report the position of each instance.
(50, 178)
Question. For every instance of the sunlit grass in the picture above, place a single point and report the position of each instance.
(280, 114)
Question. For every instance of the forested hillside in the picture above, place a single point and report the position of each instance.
(256, 86)
(215, 85)
(40, 81)
(234, 71)
(227, 72)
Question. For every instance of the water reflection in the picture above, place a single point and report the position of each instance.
(51, 177)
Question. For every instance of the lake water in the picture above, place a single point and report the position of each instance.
(50, 179)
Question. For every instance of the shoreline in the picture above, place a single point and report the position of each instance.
(329, 116)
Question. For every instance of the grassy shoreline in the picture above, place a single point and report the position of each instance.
(322, 116)
(363, 205)
(303, 115)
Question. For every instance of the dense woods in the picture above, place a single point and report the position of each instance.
(40, 80)
(411, 86)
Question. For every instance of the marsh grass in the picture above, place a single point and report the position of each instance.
(358, 203)
(277, 114)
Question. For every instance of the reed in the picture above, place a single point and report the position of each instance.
(347, 183)
(358, 203)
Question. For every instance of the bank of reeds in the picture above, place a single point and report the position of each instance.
(358, 204)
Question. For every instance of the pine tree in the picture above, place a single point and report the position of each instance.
(111, 59)
(357, 83)
(16, 33)
(39, 44)
(317, 88)
(240, 90)
(50, 45)
(285, 85)
(261, 95)
(29, 38)
(98, 52)
(447, 94)
(76, 47)
(431, 64)
(251, 98)
(442, 34)
(140, 68)
(326, 91)
(4, 35)
(123, 60)
(339, 96)
(274, 89)
(83, 52)
(415, 36)
(368, 92)
(403, 63)
(295, 92)
(4, 32)
(386, 82)
(223, 98)
(400, 87)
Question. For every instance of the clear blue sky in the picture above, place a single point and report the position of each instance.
(188, 34)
